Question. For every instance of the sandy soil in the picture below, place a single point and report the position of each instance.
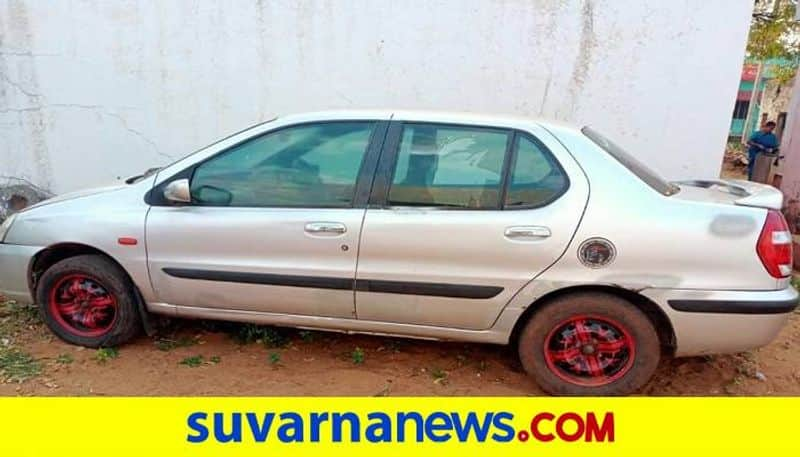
(317, 363)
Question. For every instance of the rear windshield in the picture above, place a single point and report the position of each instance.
(636, 167)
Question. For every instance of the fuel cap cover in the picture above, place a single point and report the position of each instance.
(596, 252)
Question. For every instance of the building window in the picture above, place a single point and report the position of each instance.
(740, 109)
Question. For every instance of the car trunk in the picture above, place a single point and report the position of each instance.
(731, 191)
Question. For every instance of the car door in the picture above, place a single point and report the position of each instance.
(461, 218)
(273, 225)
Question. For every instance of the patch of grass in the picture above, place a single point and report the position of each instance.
(168, 344)
(307, 336)
(268, 336)
(197, 360)
(193, 361)
(103, 355)
(274, 338)
(439, 376)
(247, 333)
(64, 359)
(795, 281)
(274, 359)
(393, 345)
(18, 366)
(357, 356)
(15, 317)
(27, 314)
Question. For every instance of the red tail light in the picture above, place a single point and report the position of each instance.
(775, 245)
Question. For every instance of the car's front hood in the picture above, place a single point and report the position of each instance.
(76, 194)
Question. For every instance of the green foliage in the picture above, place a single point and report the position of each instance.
(776, 36)
(103, 355)
(197, 360)
(307, 336)
(274, 358)
(439, 376)
(15, 317)
(274, 338)
(784, 73)
(357, 356)
(168, 344)
(269, 336)
(17, 366)
(64, 359)
(735, 145)
(193, 361)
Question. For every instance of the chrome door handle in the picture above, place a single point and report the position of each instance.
(325, 227)
(532, 231)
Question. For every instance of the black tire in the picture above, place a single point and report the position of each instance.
(601, 318)
(106, 280)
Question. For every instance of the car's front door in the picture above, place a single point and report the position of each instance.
(273, 225)
(460, 219)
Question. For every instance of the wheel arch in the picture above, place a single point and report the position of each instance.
(55, 253)
(662, 324)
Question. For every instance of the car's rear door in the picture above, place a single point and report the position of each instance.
(461, 217)
(273, 225)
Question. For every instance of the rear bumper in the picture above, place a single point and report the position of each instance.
(710, 322)
(14, 263)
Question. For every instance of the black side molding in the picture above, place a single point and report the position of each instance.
(734, 307)
(317, 282)
(427, 288)
(320, 282)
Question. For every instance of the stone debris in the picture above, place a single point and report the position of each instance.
(736, 156)
(17, 194)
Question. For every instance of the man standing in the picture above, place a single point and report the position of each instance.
(762, 141)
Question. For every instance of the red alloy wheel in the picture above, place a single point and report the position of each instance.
(589, 350)
(82, 306)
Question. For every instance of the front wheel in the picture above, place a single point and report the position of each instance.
(589, 344)
(89, 301)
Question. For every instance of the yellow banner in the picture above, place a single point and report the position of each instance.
(371, 427)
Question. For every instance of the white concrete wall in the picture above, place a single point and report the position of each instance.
(94, 90)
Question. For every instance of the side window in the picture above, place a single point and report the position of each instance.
(536, 178)
(449, 166)
(314, 165)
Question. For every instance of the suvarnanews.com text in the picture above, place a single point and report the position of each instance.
(407, 426)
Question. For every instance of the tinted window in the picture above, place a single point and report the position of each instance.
(631, 163)
(448, 166)
(308, 165)
(536, 178)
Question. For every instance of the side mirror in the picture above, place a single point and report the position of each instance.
(178, 191)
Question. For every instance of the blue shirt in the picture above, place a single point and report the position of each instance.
(768, 140)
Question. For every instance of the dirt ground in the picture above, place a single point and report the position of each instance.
(210, 358)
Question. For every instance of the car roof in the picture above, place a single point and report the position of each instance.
(453, 117)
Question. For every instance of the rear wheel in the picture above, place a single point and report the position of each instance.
(89, 301)
(589, 344)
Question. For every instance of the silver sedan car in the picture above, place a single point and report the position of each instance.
(430, 225)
